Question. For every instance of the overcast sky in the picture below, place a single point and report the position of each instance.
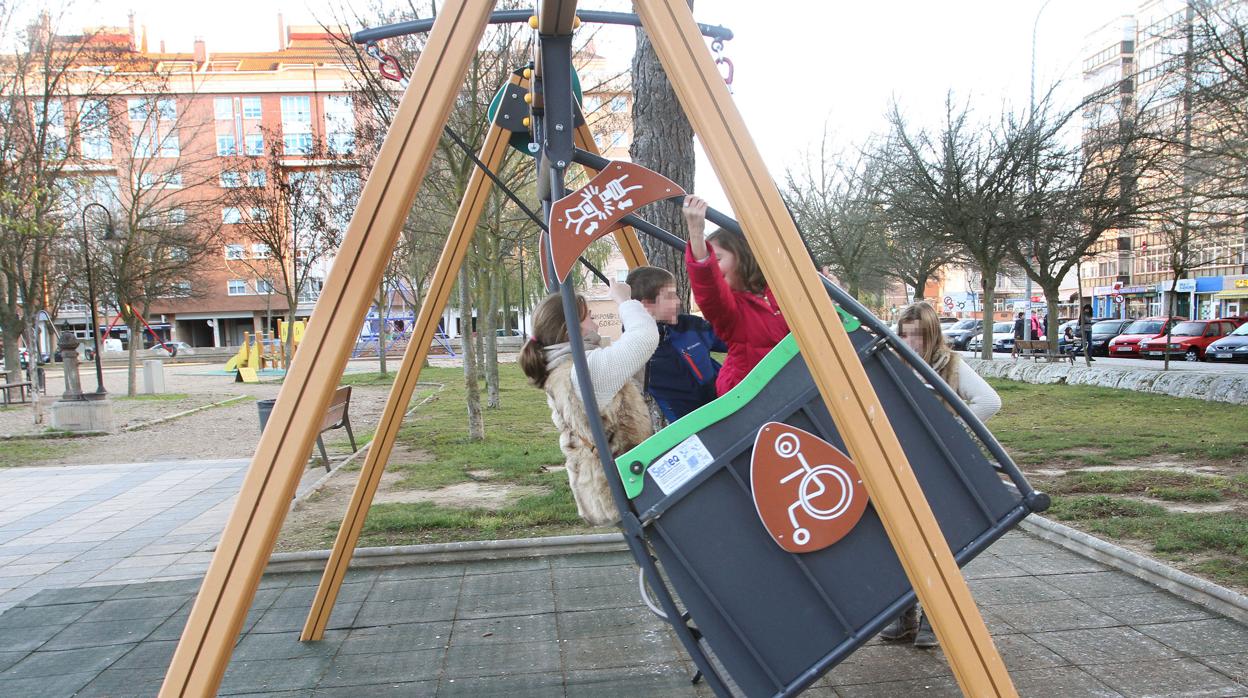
(817, 63)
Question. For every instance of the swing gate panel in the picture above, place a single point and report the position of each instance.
(778, 620)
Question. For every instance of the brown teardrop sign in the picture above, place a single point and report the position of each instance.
(594, 210)
(807, 492)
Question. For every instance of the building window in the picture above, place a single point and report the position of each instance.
(147, 180)
(236, 287)
(50, 116)
(311, 290)
(264, 286)
(136, 107)
(340, 124)
(169, 147)
(230, 180)
(619, 103)
(259, 250)
(167, 109)
(617, 139)
(178, 254)
(230, 215)
(592, 102)
(254, 144)
(173, 180)
(223, 108)
(255, 178)
(177, 216)
(251, 107)
(181, 289)
(233, 251)
(297, 143)
(96, 144)
(296, 110)
(259, 214)
(225, 145)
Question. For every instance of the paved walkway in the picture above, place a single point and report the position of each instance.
(573, 626)
(85, 525)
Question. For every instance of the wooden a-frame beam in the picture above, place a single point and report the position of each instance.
(833, 363)
(247, 541)
(453, 252)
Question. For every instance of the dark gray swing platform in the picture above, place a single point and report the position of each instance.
(778, 620)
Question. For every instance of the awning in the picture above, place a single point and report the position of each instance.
(1233, 293)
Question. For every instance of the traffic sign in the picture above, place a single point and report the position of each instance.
(948, 300)
(1117, 297)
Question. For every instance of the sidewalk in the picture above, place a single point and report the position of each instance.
(573, 625)
(83, 525)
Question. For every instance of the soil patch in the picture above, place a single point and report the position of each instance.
(474, 495)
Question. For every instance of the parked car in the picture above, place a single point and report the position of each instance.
(1188, 339)
(947, 322)
(172, 349)
(1232, 347)
(961, 332)
(1102, 332)
(1002, 338)
(508, 333)
(1127, 344)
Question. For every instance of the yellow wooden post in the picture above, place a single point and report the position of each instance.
(833, 363)
(453, 252)
(230, 583)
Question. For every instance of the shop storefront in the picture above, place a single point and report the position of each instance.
(1207, 305)
(1182, 302)
(1232, 300)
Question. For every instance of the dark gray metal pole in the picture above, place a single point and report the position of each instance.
(100, 393)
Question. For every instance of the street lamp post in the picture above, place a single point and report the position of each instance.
(1031, 117)
(100, 393)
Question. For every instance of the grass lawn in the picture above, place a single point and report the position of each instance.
(521, 449)
(15, 452)
(1170, 475)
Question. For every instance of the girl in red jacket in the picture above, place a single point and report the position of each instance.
(732, 294)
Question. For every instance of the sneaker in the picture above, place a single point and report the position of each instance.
(903, 627)
(923, 636)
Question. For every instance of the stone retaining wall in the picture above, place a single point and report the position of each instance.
(1216, 387)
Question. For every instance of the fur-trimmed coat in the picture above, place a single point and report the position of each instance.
(627, 423)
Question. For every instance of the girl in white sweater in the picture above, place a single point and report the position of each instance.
(546, 359)
(919, 327)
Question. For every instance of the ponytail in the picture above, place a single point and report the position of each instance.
(549, 327)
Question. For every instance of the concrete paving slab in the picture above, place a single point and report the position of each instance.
(415, 630)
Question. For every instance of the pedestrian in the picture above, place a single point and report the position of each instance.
(546, 359)
(1018, 334)
(680, 376)
(732, 293)
(1085, 332)
(919, 327)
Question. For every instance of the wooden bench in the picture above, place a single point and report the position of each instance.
(1038, 350)
(337, 415)
(24, 388)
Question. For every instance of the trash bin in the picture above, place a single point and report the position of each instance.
(153, 376)
(265, 407)
(775, 619)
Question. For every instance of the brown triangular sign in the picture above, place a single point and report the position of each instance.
(807, 492)
(592, 211)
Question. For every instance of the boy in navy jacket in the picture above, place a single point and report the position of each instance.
(680, 377)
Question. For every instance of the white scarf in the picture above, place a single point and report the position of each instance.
(556, 354)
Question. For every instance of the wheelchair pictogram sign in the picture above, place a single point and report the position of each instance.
(807, 492)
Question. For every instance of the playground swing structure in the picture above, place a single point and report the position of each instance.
(689, 497)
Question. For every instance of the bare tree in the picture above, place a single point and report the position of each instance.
(292, 215)
(42, 85)
(962, 184)
(837, 202)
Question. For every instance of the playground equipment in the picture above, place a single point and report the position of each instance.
(783, 569)
(258, 353)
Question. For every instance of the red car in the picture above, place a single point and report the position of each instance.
(1190, 338)
(1127, 344)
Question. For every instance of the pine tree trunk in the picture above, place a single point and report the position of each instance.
(476, 422)
(663, 142)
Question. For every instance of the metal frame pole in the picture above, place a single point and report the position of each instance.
(453, 252)
(100, 393)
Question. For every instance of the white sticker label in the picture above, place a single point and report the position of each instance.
(679, 465)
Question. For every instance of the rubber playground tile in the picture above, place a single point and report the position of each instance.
(1086, 585)
(57, 662)
(273, 675)
(1045, 616)
(1200, 637)
(621, 651)
(385, 638)
(1149, 608)
(1177, 677)
(383, 667)
(496, 631)
(60, 614)
(518, 603)
(499, 659)
(1103, 645)
(1060, 681)
(372, 613)
(510, 686)
(61, 685)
